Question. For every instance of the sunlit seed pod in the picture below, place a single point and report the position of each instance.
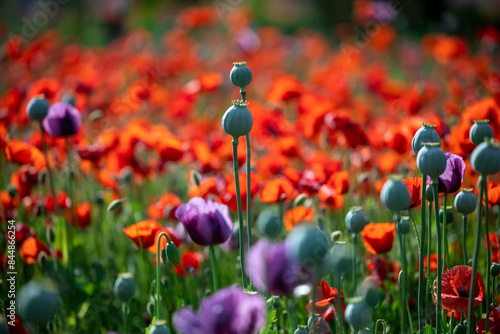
(425, 134)
(480, 130)
(395, 195)
(38, 108)
(465, 202)
(237, 120)
(485, 158)
(431, 160)
(124, 287)
(355, 220)
(240, 74)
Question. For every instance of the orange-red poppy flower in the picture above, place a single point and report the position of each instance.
(494, 193)
(494, 246)
(63, 201)
(378, 237)
(284, 88)
(171, 234)
(170, 148)
(143, 233)
(339, 181)
(22, 153)
(24, 180)
(414, 185)
(190, 261)
(31, 248)
(455, 291)
(276, 190)
(229, 197)
(330, 197)
(83, 214)
(494, 322)
(298, 215)
(164, 207)
(326, 301)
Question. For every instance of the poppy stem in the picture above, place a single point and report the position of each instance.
(249, 193)
(488, 254)
(421, 282)
(479, 219)
(354, 243)
(339, 301)
(445, 231)
(429, 239)
(240, 211)
(125, 313)
(313, 304)
(439, 326)
(71, 196)
(402, 283)
(464, 240)
(215, 275)
(158, 260)
(450, 327)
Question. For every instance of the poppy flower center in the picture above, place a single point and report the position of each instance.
(463, 293)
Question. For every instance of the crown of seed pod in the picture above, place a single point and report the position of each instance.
(431, 160)
(449, 215)
(355, 220)
(159, 328)
(240, 74)
(465, 201)
(395, 195)
(237, 120)
(480, 130)
(38, 108)
(124, 287)
(486, 158)
(426, 134)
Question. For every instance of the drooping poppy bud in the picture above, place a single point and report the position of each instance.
(426, 134)
(173, 253)
(485, 158)
(124, 287)
(480, 130)
(465, 202)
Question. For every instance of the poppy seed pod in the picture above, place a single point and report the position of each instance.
(159, 328)
(301, 330)
(124, 287)
(311, 319)
(341, 257)
(485, 158)
(268, 223)
(358, 314)
(426, 134)
(480, 130)
(460, 329)
(38, 108)
(449, 215)
(173, 253)
(240, 74)
(404, 225)
(355, 220)
(431, 160)
(237, 120)
(495, 269)
(395, 195)
(465, 202)
(38, 301)
(308, 246)
(429, 194)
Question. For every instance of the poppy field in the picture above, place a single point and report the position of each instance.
(229, 177)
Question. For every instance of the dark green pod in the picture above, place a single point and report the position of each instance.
(240, 74)
(465, 202)
(485, 158)
(237, 120)
(426, 134)
(480, 130)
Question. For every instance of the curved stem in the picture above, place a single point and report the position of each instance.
(240, 211)
(439, 327)
(488, 254)
(215, 275)
(464, 240)
(158, 260)
(421, 282)
(476, 254)
(339, 303)
(249, 193)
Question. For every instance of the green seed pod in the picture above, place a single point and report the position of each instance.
(310, 321)
(237, 120)
(69, 98)
(431, 160)
(268, 223)
(355, 220)
(358, 314)
(449, 215)
(38, 301)
(12, 191)
(95, 115)
(115, 205)
(301, 330)
(404, 225)
(480, 130)
(341, 257)
(486, 158)
(395, 195)
(173, 253)
(460, 329)
(163, 254)
(465, 202)
(159, 328)
(124, 287)
(38, 108)
(240, 74)
(309, 246)
(495, 269)
(426, 134)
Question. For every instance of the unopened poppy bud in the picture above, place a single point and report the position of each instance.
(465, 202)
(42, 259)
(335, 236)
(480, 130)
(165, 281)
(429, 193)
(163, 253)
(299, 200)
(460, 329)
(69, 98)
(404, 225)
(485, 158)
(173, 253)
(150, 307)
(99, 198)
(115, 205)
(95, 115)
(426, 134)
(12, 191)
(495, 269)
(449, 215)
(196, 177)
(240, 74)
(124, 287)
(38, 108)
(301, 330)
(237, 120)
(51, 235)
(159, 328)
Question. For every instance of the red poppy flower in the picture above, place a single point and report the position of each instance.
(164, 207)
(31, 248)
(414, 185)
(190, 260)
(330, 197)
(298, 215)
(494, 246)
(285, 88)
(22, 153)
(455, 291)
(171, 234)
(170, 148)
(83, 214)
(24, 180)
(494, 193)
(143, 233)
(23, 232)
(378, 237)
(494, 322)
(276, 190)
(229, 197)
(326, 301)
(63, 201)
(339, 181)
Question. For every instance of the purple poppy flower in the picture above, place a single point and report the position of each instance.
(206, 222)
(62, 120)
(453, 176)
(272, 270)
(230, 311)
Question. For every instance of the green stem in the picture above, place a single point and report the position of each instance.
(439, 326)
(429, 239)
(158, 260)
(124, 312)
(313, 305)
(488, 254)
(249, 194)
(464, 240)
(339, 303)
(403, 278)
(421, 282)
(240, 212)
(450, 327)
(215, 275)
(445, 231)
(354, 243)
(476, 254)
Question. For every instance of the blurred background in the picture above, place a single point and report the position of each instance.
(96, 22)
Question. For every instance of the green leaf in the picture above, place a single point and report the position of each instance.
(270, 320)
(428, 329)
